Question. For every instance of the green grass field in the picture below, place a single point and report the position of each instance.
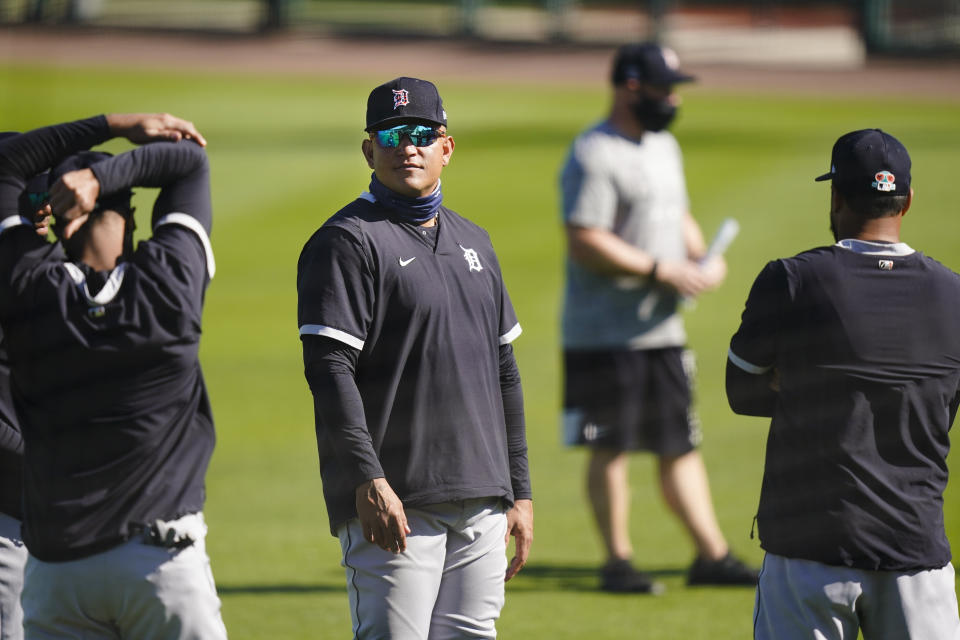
(285, 152)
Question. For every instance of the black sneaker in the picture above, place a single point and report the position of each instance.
(728, 570)
(619, 576)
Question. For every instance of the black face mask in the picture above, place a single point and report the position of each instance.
(654, 114)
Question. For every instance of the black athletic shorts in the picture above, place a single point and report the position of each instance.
(631, 400)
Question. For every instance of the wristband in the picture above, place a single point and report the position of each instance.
(653, 272)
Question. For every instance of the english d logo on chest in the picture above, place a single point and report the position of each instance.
(473, 260)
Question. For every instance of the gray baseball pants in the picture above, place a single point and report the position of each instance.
(13, 557)
(447, 584)
(801, 599)
(139, 590)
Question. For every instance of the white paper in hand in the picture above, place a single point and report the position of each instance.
(728, 230)
(721, 241)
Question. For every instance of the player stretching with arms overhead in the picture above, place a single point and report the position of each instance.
(103, 341)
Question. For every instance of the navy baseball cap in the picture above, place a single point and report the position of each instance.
(649, 63)
(404, 99)
(869, 161)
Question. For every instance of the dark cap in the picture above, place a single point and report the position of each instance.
(869, 161)
(649, 63)
(404, 99)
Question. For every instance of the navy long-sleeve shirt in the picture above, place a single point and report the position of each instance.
(106, 378)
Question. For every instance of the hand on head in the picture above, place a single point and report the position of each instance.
(72, 198)
(141, 128)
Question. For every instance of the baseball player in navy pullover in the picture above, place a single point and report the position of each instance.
(105, 377)
(406, 327)
(853, 350)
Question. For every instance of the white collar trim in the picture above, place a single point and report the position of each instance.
(876, 248)
(110, 289)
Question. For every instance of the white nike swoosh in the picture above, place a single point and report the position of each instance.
(404, 263)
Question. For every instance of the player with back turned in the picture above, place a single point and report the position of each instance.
(853, 350)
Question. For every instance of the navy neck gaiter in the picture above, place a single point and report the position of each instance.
(413, 210)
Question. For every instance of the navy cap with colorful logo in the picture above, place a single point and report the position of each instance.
(404, 99)
(869, 161)
(649, 63)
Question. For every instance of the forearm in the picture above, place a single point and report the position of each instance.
(750, 394)
(34, 151)
(604, 252)
(693, 238)
(511, 391)
(23, 156)
(330, 369)
(180, 169)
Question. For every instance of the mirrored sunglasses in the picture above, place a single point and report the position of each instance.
(37, 200)
(419, 134)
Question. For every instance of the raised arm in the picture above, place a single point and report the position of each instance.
(179, 169)
(141, 128)
(25, 155)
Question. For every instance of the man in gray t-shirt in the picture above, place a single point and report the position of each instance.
(634, 252)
